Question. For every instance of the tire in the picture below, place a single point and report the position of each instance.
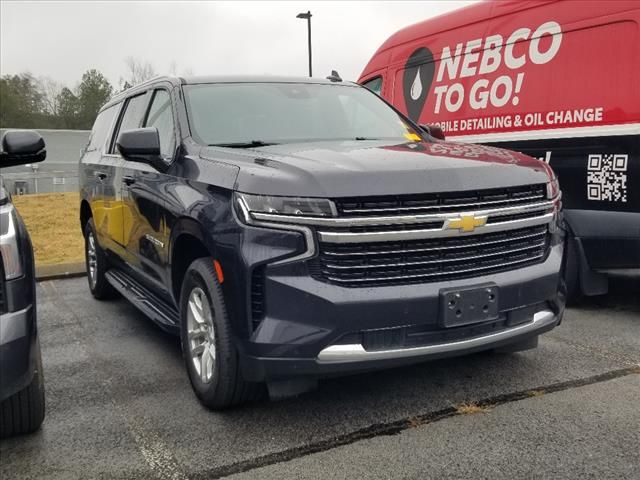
(211, 357)
(97, 265)
(24, 411)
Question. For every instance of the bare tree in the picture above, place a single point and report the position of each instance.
(138, 71)
(50, 90)
(173, 70)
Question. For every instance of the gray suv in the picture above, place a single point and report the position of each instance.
(21, 377)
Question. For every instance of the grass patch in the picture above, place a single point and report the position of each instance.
(53, 221)
(472, 408)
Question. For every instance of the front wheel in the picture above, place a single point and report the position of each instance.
(207, 342)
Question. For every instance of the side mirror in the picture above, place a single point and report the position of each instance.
(141, 145)
(20, 147)
(434, 130)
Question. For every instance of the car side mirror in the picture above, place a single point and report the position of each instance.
(141, 145)
(434, 130)
(20, 147)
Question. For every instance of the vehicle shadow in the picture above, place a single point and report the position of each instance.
(136, 372)
(624, 294)
(439, 383)
(433, 383)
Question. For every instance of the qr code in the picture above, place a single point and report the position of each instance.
(607, 177)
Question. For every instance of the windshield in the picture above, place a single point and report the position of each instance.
(253, 114)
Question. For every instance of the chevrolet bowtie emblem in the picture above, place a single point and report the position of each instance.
(467, 223)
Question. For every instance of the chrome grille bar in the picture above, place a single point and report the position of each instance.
(540, 234)
(432, 262)
(434, 274)
(399, 235)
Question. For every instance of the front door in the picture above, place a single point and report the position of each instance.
(116, 209)
(145, 234)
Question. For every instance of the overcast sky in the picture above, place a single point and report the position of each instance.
(64, 39)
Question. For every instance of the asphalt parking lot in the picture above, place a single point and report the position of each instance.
(119, 405)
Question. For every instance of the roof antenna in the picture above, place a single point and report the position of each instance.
(334, 77)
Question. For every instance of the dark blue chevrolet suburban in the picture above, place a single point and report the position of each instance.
(289, 229)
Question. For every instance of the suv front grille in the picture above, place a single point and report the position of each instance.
(388, 263)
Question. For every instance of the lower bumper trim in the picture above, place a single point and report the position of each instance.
(357, 353)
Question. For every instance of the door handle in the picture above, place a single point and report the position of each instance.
(128, 179)
(100, 175)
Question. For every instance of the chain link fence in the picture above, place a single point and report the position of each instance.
(58, 173)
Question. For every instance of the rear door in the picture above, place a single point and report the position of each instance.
(95, 171)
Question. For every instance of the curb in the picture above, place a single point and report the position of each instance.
(63, 270)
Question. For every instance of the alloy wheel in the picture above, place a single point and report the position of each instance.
(201, 335)
(92, 259)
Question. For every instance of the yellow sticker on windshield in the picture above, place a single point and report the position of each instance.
(414, 137)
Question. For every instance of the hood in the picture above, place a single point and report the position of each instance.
(363, 168)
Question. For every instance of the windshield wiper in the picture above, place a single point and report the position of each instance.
(249, 144)
(367, 138)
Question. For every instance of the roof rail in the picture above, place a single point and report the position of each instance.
(151, 80)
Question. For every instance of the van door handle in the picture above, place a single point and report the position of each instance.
(100, 175)
(128, 179)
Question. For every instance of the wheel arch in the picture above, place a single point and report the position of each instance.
(188, 243)
(85, 214)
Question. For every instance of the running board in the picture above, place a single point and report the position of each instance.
(158, 310)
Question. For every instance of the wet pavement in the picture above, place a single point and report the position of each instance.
(119, 405)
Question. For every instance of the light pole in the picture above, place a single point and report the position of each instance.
(308, 17)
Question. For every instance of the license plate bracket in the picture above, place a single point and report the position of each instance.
(465, 306)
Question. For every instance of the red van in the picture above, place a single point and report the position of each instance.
(558, 80)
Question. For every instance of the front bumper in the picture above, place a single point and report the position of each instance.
(17, 337)
(351, 353)
(314, 328)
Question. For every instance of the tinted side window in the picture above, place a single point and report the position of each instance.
(102, 128)
(375, 85)
(133, 113)
(161, 116)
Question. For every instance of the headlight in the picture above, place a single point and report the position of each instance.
(304, 207)
(9, 243)
(277, 212)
